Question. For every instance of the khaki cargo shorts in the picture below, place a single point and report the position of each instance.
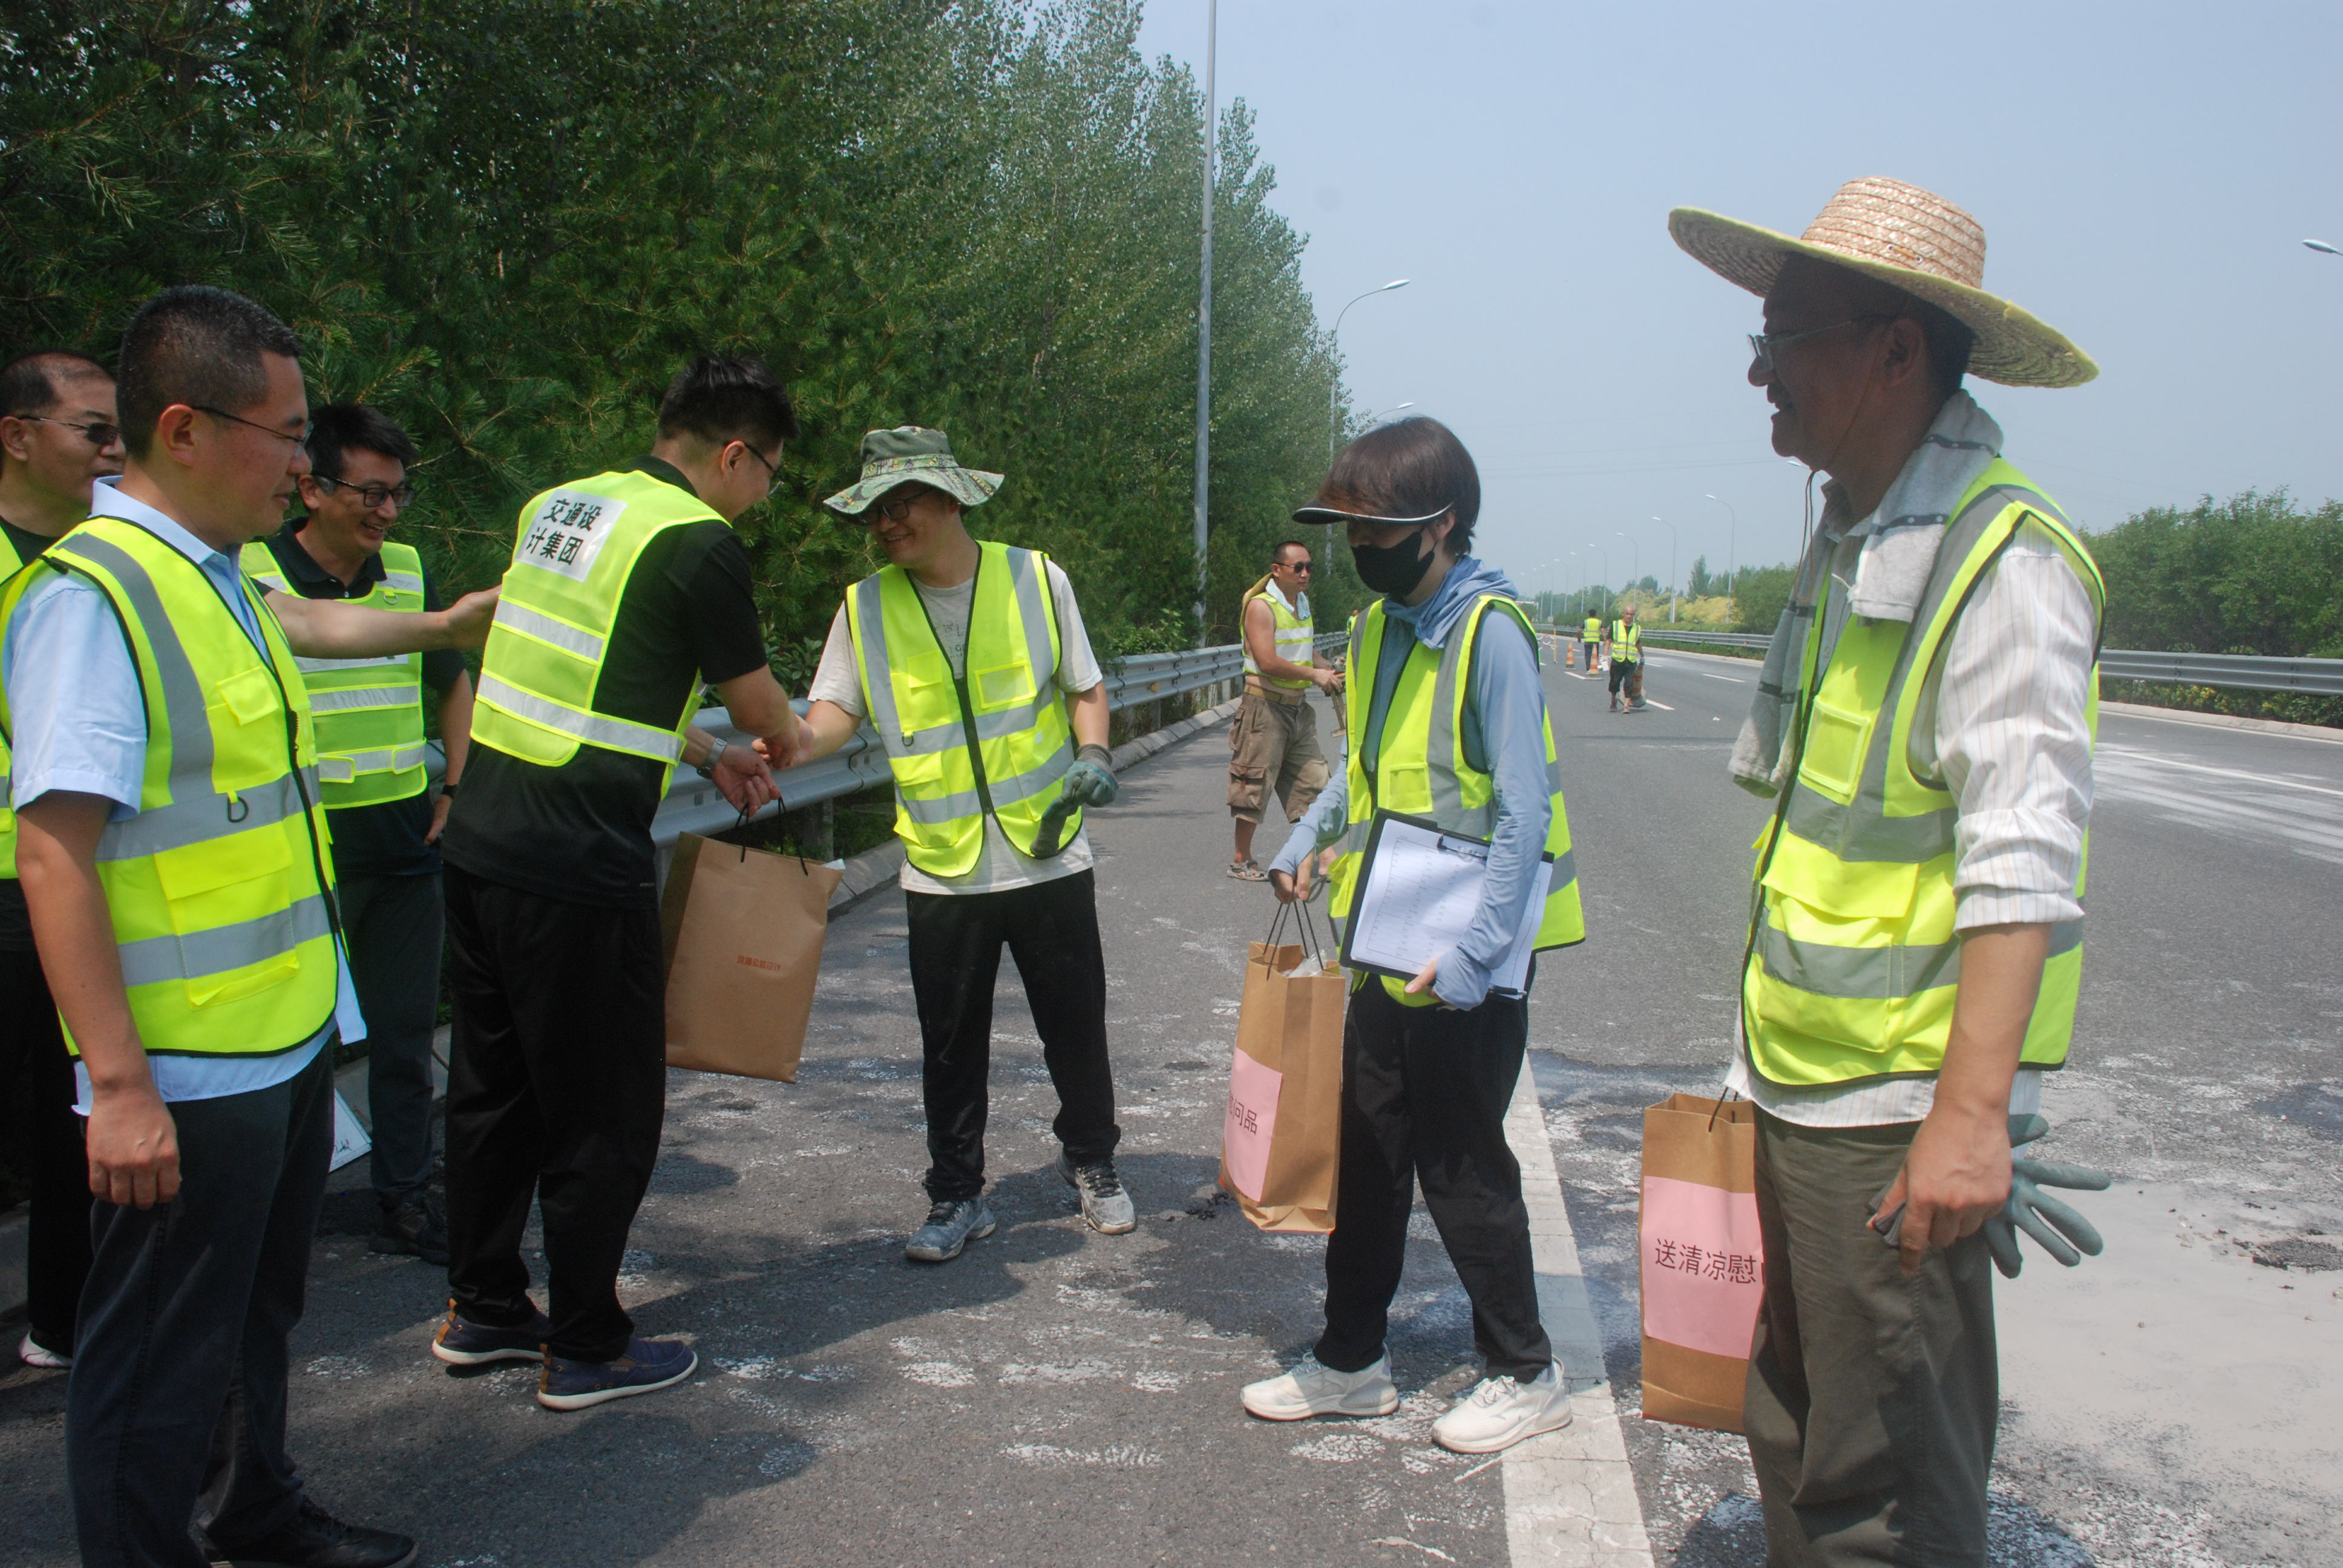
(1273, 745)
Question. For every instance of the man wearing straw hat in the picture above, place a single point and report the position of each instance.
(969, 660)
(1915, 933)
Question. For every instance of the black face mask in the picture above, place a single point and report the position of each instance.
(1393, 570)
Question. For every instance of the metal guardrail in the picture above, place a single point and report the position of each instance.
(694, 805)
(2239, 672)
(1714, 638)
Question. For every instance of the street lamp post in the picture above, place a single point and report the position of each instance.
(1671, 567)
(1204, 335)
(1732, 528)
(1635, 561)
(1335, 394)
(1605, 553)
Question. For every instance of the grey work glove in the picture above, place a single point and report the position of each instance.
(1088, 783)
(2030, 1208)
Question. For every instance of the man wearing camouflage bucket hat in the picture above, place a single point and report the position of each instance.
(1925, 727)
(969, 660)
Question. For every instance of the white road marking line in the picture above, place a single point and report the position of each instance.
(2224, 773)
(1714, 675)
(1656, 702)
(1570, 1496)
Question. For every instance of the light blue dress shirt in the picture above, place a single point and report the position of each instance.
(1504, 722)
(80, 725)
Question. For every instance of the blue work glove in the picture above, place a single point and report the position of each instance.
(1091, 780)
(2062, 1233)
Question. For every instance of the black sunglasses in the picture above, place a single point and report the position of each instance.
(100, 435)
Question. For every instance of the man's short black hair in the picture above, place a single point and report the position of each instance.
(1277, 555)
(195, 345)
(29, 384)
(1950, 343)
(340, 427)
(722, 398)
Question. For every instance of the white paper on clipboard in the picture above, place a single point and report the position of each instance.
(1419, 891)
(350, 1139)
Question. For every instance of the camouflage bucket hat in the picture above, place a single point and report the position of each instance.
(911, 454)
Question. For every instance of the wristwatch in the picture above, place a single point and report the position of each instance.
(708, 769)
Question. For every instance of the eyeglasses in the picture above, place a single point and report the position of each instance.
(300, 442)
(100, 435)
(1299, 568)
(372, 496)
(1765, 345)
(772, 470)
(894, 511)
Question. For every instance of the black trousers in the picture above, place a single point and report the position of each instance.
(44, 1137)
(556, 1089)
(1873, 1394)
(176, 1412)
(1628, 672)
(395, 926)
(1051, 931)
(1424, 1093)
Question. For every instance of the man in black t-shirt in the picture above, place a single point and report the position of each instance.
(628, 591)
(57, 436)
(386, 822)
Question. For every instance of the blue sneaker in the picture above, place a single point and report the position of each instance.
(648, 1366)
(465, 1344)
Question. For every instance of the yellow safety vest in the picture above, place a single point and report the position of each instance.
(1854, 960)
(574, 550)
(369, 711)
(1423, 770)
(220, 889)
(1627, 641)
(1593, 629)
(1294, 638)
(995, 742)
(10, 565)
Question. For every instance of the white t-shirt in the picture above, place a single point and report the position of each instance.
(999, 865)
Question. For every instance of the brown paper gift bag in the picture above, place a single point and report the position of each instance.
(743, 928)
(1703, 1265)
(1281, 1139)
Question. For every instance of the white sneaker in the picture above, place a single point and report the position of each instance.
(1501, 1410)
(38, 1355)
(1310, 1389)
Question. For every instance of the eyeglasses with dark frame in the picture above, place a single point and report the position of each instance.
(894, 511)
(772, 469)
(372, 496)
(98, 435)
(1765, 345)
(1300, 569)
(300, 442)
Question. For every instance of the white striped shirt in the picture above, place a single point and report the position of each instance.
(2004, 725)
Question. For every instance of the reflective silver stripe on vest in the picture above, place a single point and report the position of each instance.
(878, 674)
(193, 821)
(1448, 808)
(344, 766)
(223, 947)
(537, 624)
(1860, 831)
(594, 729)
(1876, 974)
(1025, 573)
(331, 665)
(935, 809)
(183, 694)
(410, 582)
(361, 696)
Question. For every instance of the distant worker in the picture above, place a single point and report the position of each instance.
(1273, 743)
(627, 594)
(1626, 661)
(58, 437)
(970, 659)
(174, 856)
(1590, 641)
(370, 764)
(1916, 937)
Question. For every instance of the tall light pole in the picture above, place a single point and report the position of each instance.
(1671, 567)
(1605, 553)
(1334, 344)
(1732, 528)
(1635, 562)
(1204, 332)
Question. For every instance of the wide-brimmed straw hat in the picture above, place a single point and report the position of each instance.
(912, 454)
(1911, 238)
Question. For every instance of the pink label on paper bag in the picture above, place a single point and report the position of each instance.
(1251, 1123)
(1703, 1266)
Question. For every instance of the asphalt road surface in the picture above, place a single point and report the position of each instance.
(1057, 1397)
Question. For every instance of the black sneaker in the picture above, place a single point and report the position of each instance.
(314, 1538)
(415, 1227)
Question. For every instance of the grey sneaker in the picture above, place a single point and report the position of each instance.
(1106, 1207)
(949, 1227)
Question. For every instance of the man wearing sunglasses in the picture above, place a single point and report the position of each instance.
(57, 438)
(370, 764)
(1273, 744)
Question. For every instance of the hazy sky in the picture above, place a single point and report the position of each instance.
(2145, 174)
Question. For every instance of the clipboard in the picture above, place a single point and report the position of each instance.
(1435, 909)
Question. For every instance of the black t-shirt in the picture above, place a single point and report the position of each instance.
(16, 920)
(385, 839)
(581, 832)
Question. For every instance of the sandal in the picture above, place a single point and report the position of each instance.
(1247, 871)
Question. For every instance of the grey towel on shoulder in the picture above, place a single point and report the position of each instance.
(1900, 550)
